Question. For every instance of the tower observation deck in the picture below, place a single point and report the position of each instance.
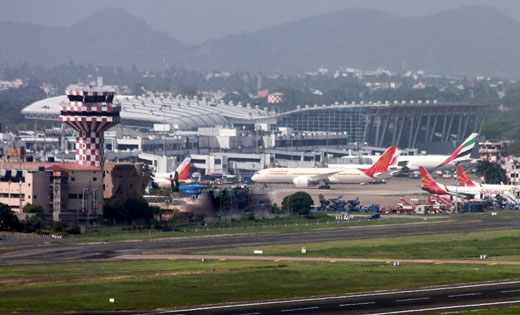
(90, 112)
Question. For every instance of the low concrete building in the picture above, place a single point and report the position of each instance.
(20, 187)
(124, 179)
(76, 193)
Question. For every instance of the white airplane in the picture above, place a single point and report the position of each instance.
(477, 191)
(486, 189)
(392, 167)
(439, 162)
(411, 163)
(305, 177)
(164, 180)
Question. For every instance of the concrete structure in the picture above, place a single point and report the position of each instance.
(68, 192)
(276, 98)
(20, 187)
(90, 112)
(512, 167)
(407, 124)
(494, 151)
(76, 193)
(125, 180)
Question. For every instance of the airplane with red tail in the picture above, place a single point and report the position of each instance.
(347, 174)
(164, 180)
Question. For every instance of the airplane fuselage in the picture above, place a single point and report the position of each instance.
(288, 175)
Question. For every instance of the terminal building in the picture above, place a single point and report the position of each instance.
(408, 124)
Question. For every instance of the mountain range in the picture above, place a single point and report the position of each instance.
(467, 41)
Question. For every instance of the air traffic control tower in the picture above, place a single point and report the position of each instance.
(90, 112)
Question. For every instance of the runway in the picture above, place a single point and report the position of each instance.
(424, 300)
(42, 252)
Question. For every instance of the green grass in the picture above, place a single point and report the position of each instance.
(502, 244)
(493, 311)
(165, 284)
(242, 227)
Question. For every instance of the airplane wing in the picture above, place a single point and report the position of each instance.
(463, 195)
(322, 177)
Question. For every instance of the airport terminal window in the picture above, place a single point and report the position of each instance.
(73, 196)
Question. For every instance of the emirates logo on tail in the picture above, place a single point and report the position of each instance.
(381, 165)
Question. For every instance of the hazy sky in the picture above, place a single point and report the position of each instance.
(194, 21)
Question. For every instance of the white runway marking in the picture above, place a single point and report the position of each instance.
(300, 309)
(466, 294)
(355, 304)
(509, 291)
(416, 299)
(448, 307)
(338, 297)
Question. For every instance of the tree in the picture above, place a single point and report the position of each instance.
(134, 209)
(299, 203)
(493, 173)
(32, 208)
(33, 224)
(113, 209)
(8, 220)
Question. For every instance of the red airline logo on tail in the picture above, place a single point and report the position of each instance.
(381, 165)
(428, 184)
(463, 178)
(182, 170)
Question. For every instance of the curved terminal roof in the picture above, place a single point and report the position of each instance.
(185, 113)
(191, 113)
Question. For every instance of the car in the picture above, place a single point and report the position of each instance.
(374, 216)
(324, 187)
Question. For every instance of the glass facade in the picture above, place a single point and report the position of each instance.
(354, 121)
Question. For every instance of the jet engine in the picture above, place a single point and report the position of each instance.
(302, 181)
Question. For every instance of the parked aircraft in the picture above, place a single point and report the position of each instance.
(487, 189)
(467, 192)
(438, 162)
(410, 163)
(305, 177)
(164, 180)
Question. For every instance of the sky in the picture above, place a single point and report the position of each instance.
(195, 21)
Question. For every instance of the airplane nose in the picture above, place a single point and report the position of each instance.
(254, 177)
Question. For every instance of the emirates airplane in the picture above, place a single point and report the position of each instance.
(306, 177)
(467, 189)
(439, 162)
(164, 180)
(430, 162)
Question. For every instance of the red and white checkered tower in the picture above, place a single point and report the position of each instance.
(90, 112)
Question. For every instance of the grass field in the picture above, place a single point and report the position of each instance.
(498, 245)
(156, 284)
(242, 227)
(492, 311)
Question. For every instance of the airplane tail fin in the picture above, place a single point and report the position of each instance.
(395, 159)
(463, 178)
(184, 169)
(463, 151)
(382, 164)
(428, 183)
